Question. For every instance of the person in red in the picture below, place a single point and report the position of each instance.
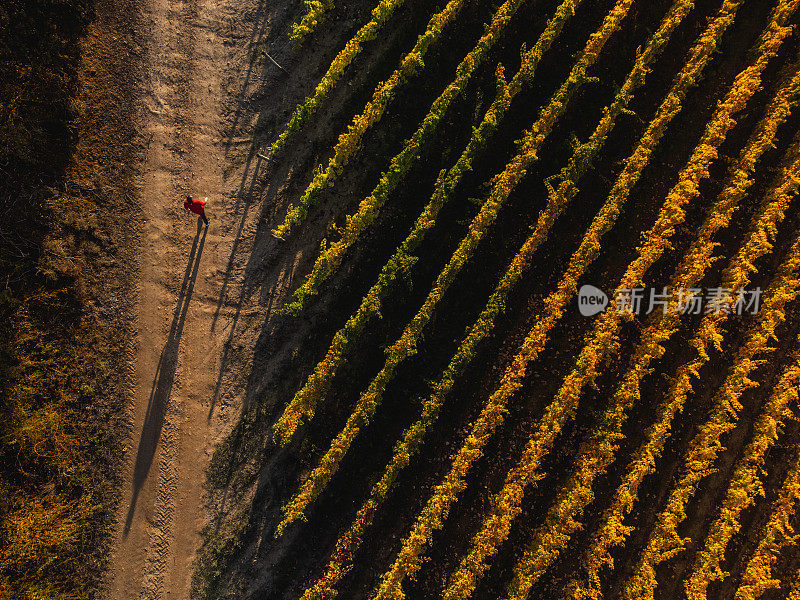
(198, 207)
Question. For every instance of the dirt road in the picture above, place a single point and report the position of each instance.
(195, 51)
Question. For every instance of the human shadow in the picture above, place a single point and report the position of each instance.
(164, 377)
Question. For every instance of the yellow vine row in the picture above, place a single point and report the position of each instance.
(776, 534)
(736, 276)
(330, 258)
(745, 484)
(405, 346)
(597, 452)
(413, 437)
(305, 401)
(380, 15)
(663, 541)
(507, 503)
(794, 592)
(432, 516)
(315, 11)
(350, 141)
(318, 383)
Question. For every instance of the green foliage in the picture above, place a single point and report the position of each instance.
(380, 15)
(315, 12)
(330, 258)
(350, 141)
(318, 383)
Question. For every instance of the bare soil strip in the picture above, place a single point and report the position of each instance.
(194, 50)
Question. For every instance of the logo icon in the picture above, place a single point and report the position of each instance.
(591, 300)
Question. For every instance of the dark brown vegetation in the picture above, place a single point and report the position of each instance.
(64, 297)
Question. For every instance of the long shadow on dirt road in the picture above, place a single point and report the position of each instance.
(165, 377)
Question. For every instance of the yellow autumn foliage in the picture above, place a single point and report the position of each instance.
(380, 15)
(745, 485)
(776, 534)
(306, 399)
(597, 452)
(663, 541)
(315, 11)
(331, 257)
(404, 347)
(350, 141)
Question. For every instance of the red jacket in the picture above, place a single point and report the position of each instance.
(197, 207)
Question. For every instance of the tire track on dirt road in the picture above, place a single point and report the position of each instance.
(207, 340)
(192, 53)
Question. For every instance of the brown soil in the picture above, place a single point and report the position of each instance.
(192, 65)
(204, 295)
